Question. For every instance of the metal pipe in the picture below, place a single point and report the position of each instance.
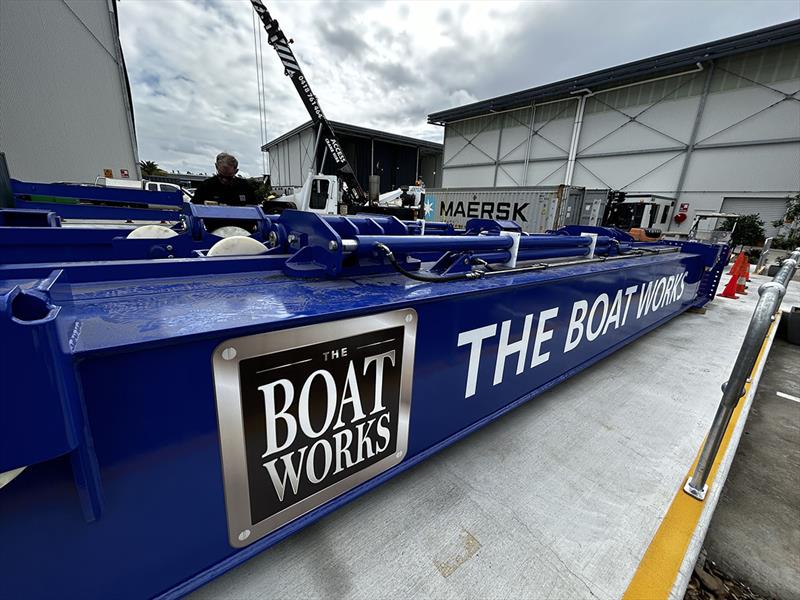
(317, 166)
(466, 243)
(504, 256)
(576, 136)
(771, 294)
(405, 244)
(572, 263)
(693, 138)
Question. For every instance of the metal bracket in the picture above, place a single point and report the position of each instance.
(695, 493)
(514, 250)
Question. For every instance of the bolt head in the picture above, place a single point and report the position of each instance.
(333, 245)
(229, 353)
(244, 535)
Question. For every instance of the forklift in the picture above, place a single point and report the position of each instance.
(638, 214)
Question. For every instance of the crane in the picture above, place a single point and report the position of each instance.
(352, 192)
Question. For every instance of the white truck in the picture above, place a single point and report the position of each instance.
(142, 184)
(322, 194)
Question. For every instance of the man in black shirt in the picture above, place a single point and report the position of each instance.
(225, 187)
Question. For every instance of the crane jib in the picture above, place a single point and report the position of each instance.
(352, 190)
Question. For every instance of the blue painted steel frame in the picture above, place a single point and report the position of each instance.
(135, 494)
(117, 203)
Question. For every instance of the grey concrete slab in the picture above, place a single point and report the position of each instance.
(755, 533)
(558, 499)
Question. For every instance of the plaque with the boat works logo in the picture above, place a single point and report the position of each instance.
(306, 414)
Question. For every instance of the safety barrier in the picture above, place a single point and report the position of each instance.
(771, 295)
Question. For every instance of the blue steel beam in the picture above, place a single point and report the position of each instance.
(139, 367)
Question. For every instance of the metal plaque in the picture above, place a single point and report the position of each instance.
(306, 414)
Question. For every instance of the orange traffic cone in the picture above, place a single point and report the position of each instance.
(746, 267)
(730, 288)
(736, 264)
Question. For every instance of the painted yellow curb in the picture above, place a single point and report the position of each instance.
(659, 567)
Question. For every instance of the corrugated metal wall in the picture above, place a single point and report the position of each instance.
(291, 159)
(730, 129)
(63, 114)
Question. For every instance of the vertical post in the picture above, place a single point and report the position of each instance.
(6, 193)
(576, 135)
(499, 141)
(372, 156)
(317, 166)
(416, 175)
(693, 137)
(530, 144)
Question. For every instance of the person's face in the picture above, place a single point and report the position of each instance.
(226, 172)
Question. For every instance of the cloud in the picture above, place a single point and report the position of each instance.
(384, 65)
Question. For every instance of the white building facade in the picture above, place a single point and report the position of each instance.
(716, 127)
(65, 104)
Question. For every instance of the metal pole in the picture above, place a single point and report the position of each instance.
(372, 156)
(530, 144)
(693, 137)
(316, 149)
(576, 135)
(771, 294)
(416, 176)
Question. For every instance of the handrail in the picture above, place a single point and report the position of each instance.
(771, 295)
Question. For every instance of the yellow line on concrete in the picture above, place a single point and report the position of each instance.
(659, 567)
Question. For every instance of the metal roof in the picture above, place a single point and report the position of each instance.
(663, 64)
(363, 132)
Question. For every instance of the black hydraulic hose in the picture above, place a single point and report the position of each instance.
(425, 277)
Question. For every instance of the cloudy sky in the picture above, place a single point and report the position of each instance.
(384, 65)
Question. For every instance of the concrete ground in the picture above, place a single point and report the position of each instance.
(755, 533)
(558, 499)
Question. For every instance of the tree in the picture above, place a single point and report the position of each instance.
(749, 230)
(150, 168)
(788, 237)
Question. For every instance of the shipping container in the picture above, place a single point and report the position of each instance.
(536, 209)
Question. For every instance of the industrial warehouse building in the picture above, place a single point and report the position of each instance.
(68, 114)
(715, 127)
(398, 160)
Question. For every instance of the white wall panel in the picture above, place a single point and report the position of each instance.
(468, 177)
(557, 131)
(724, 109)
(509, 175)
(756, 168)
(514, 143)
(630, 172)
(295, 166)
(550, 172)
(62, 100)
(483, 147)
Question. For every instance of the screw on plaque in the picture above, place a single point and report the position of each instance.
(229, 353)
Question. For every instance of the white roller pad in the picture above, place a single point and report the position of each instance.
(237, 245)
(230, 231)
(151, 232)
